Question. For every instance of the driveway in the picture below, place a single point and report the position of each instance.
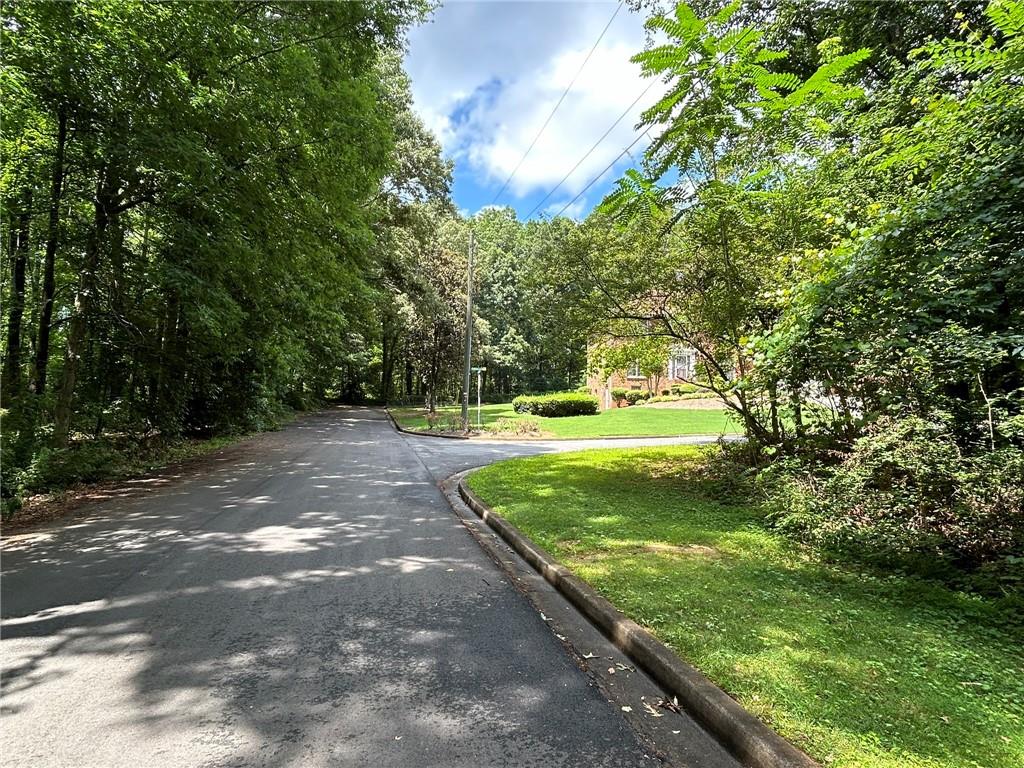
(308, 599)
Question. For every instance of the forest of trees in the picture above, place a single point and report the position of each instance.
(213, 210)
(520, 334)
(193, 195)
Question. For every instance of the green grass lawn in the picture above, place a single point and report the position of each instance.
(635, 421)
(859, 669)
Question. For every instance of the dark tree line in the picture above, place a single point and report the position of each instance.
(215, 211)
(196, 210)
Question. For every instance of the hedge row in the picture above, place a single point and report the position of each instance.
(676, 391)
(631, 396)
(557, 404)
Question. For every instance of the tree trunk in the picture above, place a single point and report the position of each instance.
(773, 402)
(387, 362)
(11, 377)
(432, 384)
(408, 376)
(46, 310)
(168, 346)
(154, 368)
(79, 318)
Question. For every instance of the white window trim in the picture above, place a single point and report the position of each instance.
(688, 358)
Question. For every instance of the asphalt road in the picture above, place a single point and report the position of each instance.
(307, 599)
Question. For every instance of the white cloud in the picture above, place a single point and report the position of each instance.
(574, 210)
(485, 77)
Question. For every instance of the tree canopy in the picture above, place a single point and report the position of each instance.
(213, 210)
(830, 215)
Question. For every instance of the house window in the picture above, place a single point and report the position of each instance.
(681, 364)
(634, 372)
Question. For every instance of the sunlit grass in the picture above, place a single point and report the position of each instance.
(861, 670)
(620, 422)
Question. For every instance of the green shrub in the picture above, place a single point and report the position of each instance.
(683, 389)
(701, 394)
(9, 506)
(677, 398)
(556, 404)
(635, 396)
(301, 401)
(905, 496)
(54, 468)
(519, 425)
(663, 399)
(444, 421)
(619, 394)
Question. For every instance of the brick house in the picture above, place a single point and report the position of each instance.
(679, 367)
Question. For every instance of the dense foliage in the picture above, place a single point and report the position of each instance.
(196, 199)
(556, 404)
(831, 213)
(213, 211)
(520, 337)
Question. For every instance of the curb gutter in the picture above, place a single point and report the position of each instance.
(745, 736)
(394, 423)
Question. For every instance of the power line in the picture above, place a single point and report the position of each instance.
(602, 173)
(560, 100)
(623, 152)
(596, 144)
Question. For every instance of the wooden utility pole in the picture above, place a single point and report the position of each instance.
(469, 335)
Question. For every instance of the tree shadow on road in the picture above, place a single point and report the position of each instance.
(319, 605)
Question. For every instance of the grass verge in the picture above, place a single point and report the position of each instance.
(859, 669)
(618, 422)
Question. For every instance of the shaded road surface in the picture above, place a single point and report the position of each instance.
(309, 599)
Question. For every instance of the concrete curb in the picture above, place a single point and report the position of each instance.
(394, 423)
(745, 736)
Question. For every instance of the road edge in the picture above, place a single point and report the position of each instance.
(745, 736)
(399, 428)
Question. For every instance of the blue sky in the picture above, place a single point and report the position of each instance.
(485, 76)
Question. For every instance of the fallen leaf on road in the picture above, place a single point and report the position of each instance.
(625, 667)
(611, 670)
(651, 710)
(589, 655)
(627, 709)
(672, 706)
(450, 570)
